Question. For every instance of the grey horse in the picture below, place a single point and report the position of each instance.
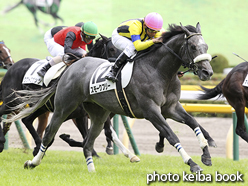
(153, 93)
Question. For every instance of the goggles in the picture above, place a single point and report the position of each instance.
(89, 37)
(152, 31)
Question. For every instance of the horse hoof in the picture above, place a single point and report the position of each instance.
(159, 148)
(206, 160)
(211, 143)
(29, 165)
(195, 168)
(109, 150)
(134, 159)
(64, 136)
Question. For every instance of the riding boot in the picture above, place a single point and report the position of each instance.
(43, 70)
(120, 61)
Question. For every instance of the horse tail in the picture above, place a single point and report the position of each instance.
(211, 93)
(12, 7)
(33, 98)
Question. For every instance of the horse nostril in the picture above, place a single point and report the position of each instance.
(207, 73)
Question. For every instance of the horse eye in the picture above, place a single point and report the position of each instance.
(193, 47)
(111, 49)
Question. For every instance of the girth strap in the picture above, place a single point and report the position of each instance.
(121, 96)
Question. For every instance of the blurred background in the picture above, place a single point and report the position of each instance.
(223, 23)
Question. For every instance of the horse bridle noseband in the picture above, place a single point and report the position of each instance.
(192, 67)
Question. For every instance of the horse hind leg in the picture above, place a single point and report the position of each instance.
(125, 151)
(240, 128)
(98, 116)
(60, 114)
(108, 134)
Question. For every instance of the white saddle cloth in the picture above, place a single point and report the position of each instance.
(31, 76)
(99, 84)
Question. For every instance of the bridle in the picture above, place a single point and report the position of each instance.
(192, 64)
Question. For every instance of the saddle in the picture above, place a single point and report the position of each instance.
(31, 76)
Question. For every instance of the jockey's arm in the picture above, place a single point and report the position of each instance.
(69, 39)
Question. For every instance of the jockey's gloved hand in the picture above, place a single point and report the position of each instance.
(69, 57)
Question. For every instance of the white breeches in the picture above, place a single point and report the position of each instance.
(123, 44)
(54, 48)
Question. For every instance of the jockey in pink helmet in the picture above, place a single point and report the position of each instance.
(135, 35)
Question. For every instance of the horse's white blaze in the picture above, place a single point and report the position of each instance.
(182, 152)
(124, 150)
(7, 51)
(201, 139)
(90, 164)
(203, 57)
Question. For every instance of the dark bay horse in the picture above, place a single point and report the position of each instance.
(232, 88)
(34, 5)
(5, 57)
(153, 93)
(103, 48)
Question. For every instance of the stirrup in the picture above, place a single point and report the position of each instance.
(111, 78)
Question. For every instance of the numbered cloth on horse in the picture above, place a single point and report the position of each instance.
(32, 77)
(99, 84)
(245, 83)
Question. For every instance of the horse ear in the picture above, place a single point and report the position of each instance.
(198, 28)
(185, 29)
(103, 37)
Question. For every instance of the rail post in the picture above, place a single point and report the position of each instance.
(116, 128)
(130, 135)
(235, 139)
(6, 144)
(22, 135)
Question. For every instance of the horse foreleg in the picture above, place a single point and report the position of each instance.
(153, 114)
(210, 140)
(160, 145)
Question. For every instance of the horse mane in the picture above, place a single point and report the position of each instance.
(174, 29)
(98, 43)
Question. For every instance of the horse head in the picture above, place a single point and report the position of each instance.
(5, 57)
(104, 48)
(194, 52)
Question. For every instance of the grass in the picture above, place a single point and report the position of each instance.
(223, 22)
(69, 168)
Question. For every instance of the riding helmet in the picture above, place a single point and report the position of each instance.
(154, 21)
(89, 28)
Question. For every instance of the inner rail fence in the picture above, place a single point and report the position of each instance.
(189, 92)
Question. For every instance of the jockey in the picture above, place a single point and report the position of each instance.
(68, 40)
(135, 35)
